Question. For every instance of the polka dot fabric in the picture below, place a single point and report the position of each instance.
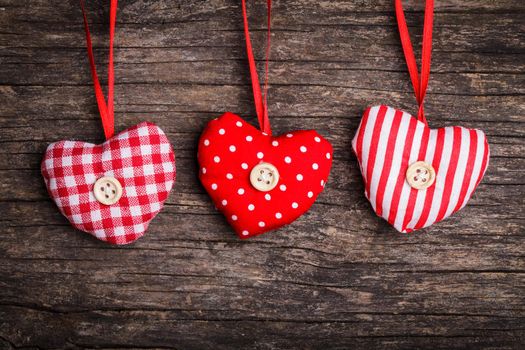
(140, 158)
(230, 148)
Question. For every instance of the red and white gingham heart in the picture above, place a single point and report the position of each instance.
(140, 158)
(230, 148)
(388, 141)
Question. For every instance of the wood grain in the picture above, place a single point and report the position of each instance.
(337, 278)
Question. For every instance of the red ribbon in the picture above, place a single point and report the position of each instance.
(261, 101)
(420, 86)
(106, 110)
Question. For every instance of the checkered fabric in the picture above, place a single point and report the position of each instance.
(140, 158)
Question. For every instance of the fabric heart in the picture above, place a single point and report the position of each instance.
(230, 148)
(388, 141)
(140, 159)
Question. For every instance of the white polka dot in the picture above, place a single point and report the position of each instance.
(315, 166)
(299, 177)
(310, 194)
(240, 191)
(245, 233)
(206, 142)
(278, 215)
(244, 166)
(222, 131)
(224, 202)
(287, 160)
(251, 207)
(239, 124)
(213, 186)
(267, 196)
(289, 135)
(261, 224)
(233, 148)
(234, 217)
(322, 183)
(275, 143)
(317, 139)
(249, 138)
(216, 159)
(260, 155)
(303, 149)
(295, 205)
(203, 170)
(229, 176)
(282, 188)
(328, 156)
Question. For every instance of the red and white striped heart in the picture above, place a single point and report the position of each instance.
(257, 181)
(387, 145)
(138, 168)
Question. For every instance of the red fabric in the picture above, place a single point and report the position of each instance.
(420, 86)
(229, 148)
(140, 158)
(224, 170)
(105, 110)
(458, 155)
(388, 141)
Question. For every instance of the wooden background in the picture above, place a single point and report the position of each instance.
(337, 278)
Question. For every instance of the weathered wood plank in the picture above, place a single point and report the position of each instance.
(146, 100)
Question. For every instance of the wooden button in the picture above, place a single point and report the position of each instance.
(264, 177)
(107, 190)
(420, 175)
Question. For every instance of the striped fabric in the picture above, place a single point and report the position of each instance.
(388, 141)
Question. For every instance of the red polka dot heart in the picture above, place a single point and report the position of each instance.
(257, 181)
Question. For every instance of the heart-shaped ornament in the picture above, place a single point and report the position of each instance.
(115, 189)
(415, 176)
(257, 181)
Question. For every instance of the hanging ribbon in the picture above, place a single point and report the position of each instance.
(261, 101)
(420, 86)
(105, 109)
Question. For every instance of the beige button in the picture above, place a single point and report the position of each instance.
(420, 175)
(107, 190)
(264, 177)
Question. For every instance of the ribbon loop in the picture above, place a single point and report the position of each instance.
(106, 110)
(260, 99)
(420, 86)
